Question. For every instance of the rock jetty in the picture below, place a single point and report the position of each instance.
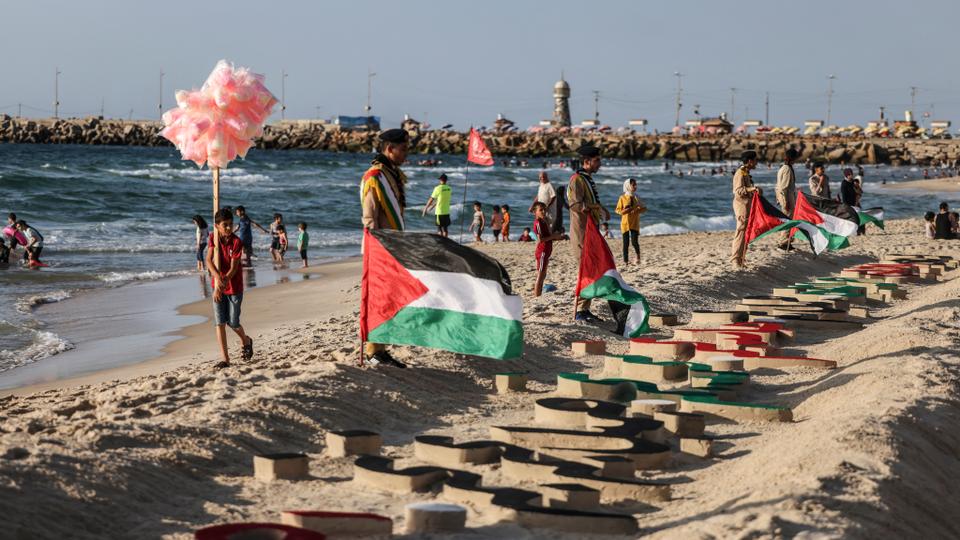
(628, 146)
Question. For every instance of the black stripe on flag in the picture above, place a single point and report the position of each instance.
(834, 208)
(432, 252)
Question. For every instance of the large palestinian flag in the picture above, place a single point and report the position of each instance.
(835, 221)
(599, 278)
(766, 218)
(426, 290)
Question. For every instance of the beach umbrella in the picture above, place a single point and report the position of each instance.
(216, 124)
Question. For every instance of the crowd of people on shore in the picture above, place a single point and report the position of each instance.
(944, 225)
(243, 230)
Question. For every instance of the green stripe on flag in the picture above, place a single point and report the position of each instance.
(455, 331)
(609, 288)
(868, 216)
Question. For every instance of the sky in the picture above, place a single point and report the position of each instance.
(464, 62)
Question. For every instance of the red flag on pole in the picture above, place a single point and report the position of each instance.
(477, 151)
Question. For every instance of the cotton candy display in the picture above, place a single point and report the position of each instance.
(218, 123)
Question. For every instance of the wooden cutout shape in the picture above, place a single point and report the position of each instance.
(378, 472)
(529, 509)
(663, 350)
(681, 424)
(442, 451)
(339, 523)
(510, 382)
(633, 366)
(353, 442)
(697, 447)
(736, 411)
(582, 348)
(271, 467)
(663, 319)
(255, 531)
(428, 517)
(700, 316)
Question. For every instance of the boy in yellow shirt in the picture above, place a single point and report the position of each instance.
(629, 207)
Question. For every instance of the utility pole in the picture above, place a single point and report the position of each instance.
(766, 114)
(679, 76)
(102, 101)
(596, 107)
(318, 111)
(283, 94)
(56, 93)
(370, 76)
(160, 100)
(830, 79)
(733, 108)
(913, 100)
(130, 117)
(19, 110)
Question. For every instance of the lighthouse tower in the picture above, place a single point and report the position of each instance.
(561, 103)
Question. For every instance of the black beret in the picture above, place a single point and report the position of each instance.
(792, 153)
(747, 155)
(396, 135)
(588, 151)
(443, 176)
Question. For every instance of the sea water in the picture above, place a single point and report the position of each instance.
(116, 215)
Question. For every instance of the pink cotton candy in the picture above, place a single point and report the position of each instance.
(217, 124)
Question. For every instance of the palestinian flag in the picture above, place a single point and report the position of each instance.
(423, 289)
(835, 221)
(598, 278)
(766, 218)
(870, 215)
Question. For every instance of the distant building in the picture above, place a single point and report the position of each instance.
(561, 103)
(709, 126)
(502, 123)
(357, 123)
(409, 124)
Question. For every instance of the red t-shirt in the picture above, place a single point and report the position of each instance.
(541, 228)
(230, 250)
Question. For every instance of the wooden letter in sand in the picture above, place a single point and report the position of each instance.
(696, 447)
(434, 518)
(661, 350)
(682, 424)
(256, 531)
(337, 524)
(281, 466)
(510, 382)
(644, 368)
(378, 472)
(353, 442)
(736, 411)
(443, 451)
(581, 348)
(563, 507)
(717, 317)
(663, 319)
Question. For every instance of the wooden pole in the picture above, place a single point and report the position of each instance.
(463, 203)
(216, 208)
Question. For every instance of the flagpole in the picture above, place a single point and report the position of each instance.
(576, 288)
(463, 204)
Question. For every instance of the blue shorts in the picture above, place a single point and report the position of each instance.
(200, 252)
(227, 310)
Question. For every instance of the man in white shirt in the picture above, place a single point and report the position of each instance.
(546, 195)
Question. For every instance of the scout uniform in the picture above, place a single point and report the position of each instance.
(383, 200)
(787, 194)
(743, 190)
(583, 200)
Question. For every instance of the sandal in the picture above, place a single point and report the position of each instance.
(221, 365)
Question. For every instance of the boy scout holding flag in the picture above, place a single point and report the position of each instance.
(743, 190)
(584, 201)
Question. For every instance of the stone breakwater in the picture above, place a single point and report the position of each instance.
(629, 146)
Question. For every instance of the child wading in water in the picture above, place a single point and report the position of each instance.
(303, 240)
(496, 223)
(228, 285)
(478, 222)
(275, 237)
(545, 238)
(282, 236)
(203, 232)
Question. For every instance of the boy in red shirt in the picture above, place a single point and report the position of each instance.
(228, 285)
(545, 238)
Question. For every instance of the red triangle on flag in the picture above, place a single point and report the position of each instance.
(477, 151)
(805, 211)
(386, 286)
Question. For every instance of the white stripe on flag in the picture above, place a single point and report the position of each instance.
(466, 294)
(385, 185)
(839, 226)
(815, 235)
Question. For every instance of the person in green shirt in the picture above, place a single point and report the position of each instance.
(440, 199)
(303, 240)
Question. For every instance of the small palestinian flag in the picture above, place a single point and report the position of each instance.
(870, 215)
(423, 289)
(766, 218)
(599, 278)
(835, 221)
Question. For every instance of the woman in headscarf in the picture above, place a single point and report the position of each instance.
(629, 207)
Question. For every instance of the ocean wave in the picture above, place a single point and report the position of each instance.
(43, 345)
(27, 303)
(690, 224)
(232, 176)
(118, 277)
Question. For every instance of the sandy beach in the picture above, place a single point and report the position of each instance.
(944, 185)
(161, 448)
